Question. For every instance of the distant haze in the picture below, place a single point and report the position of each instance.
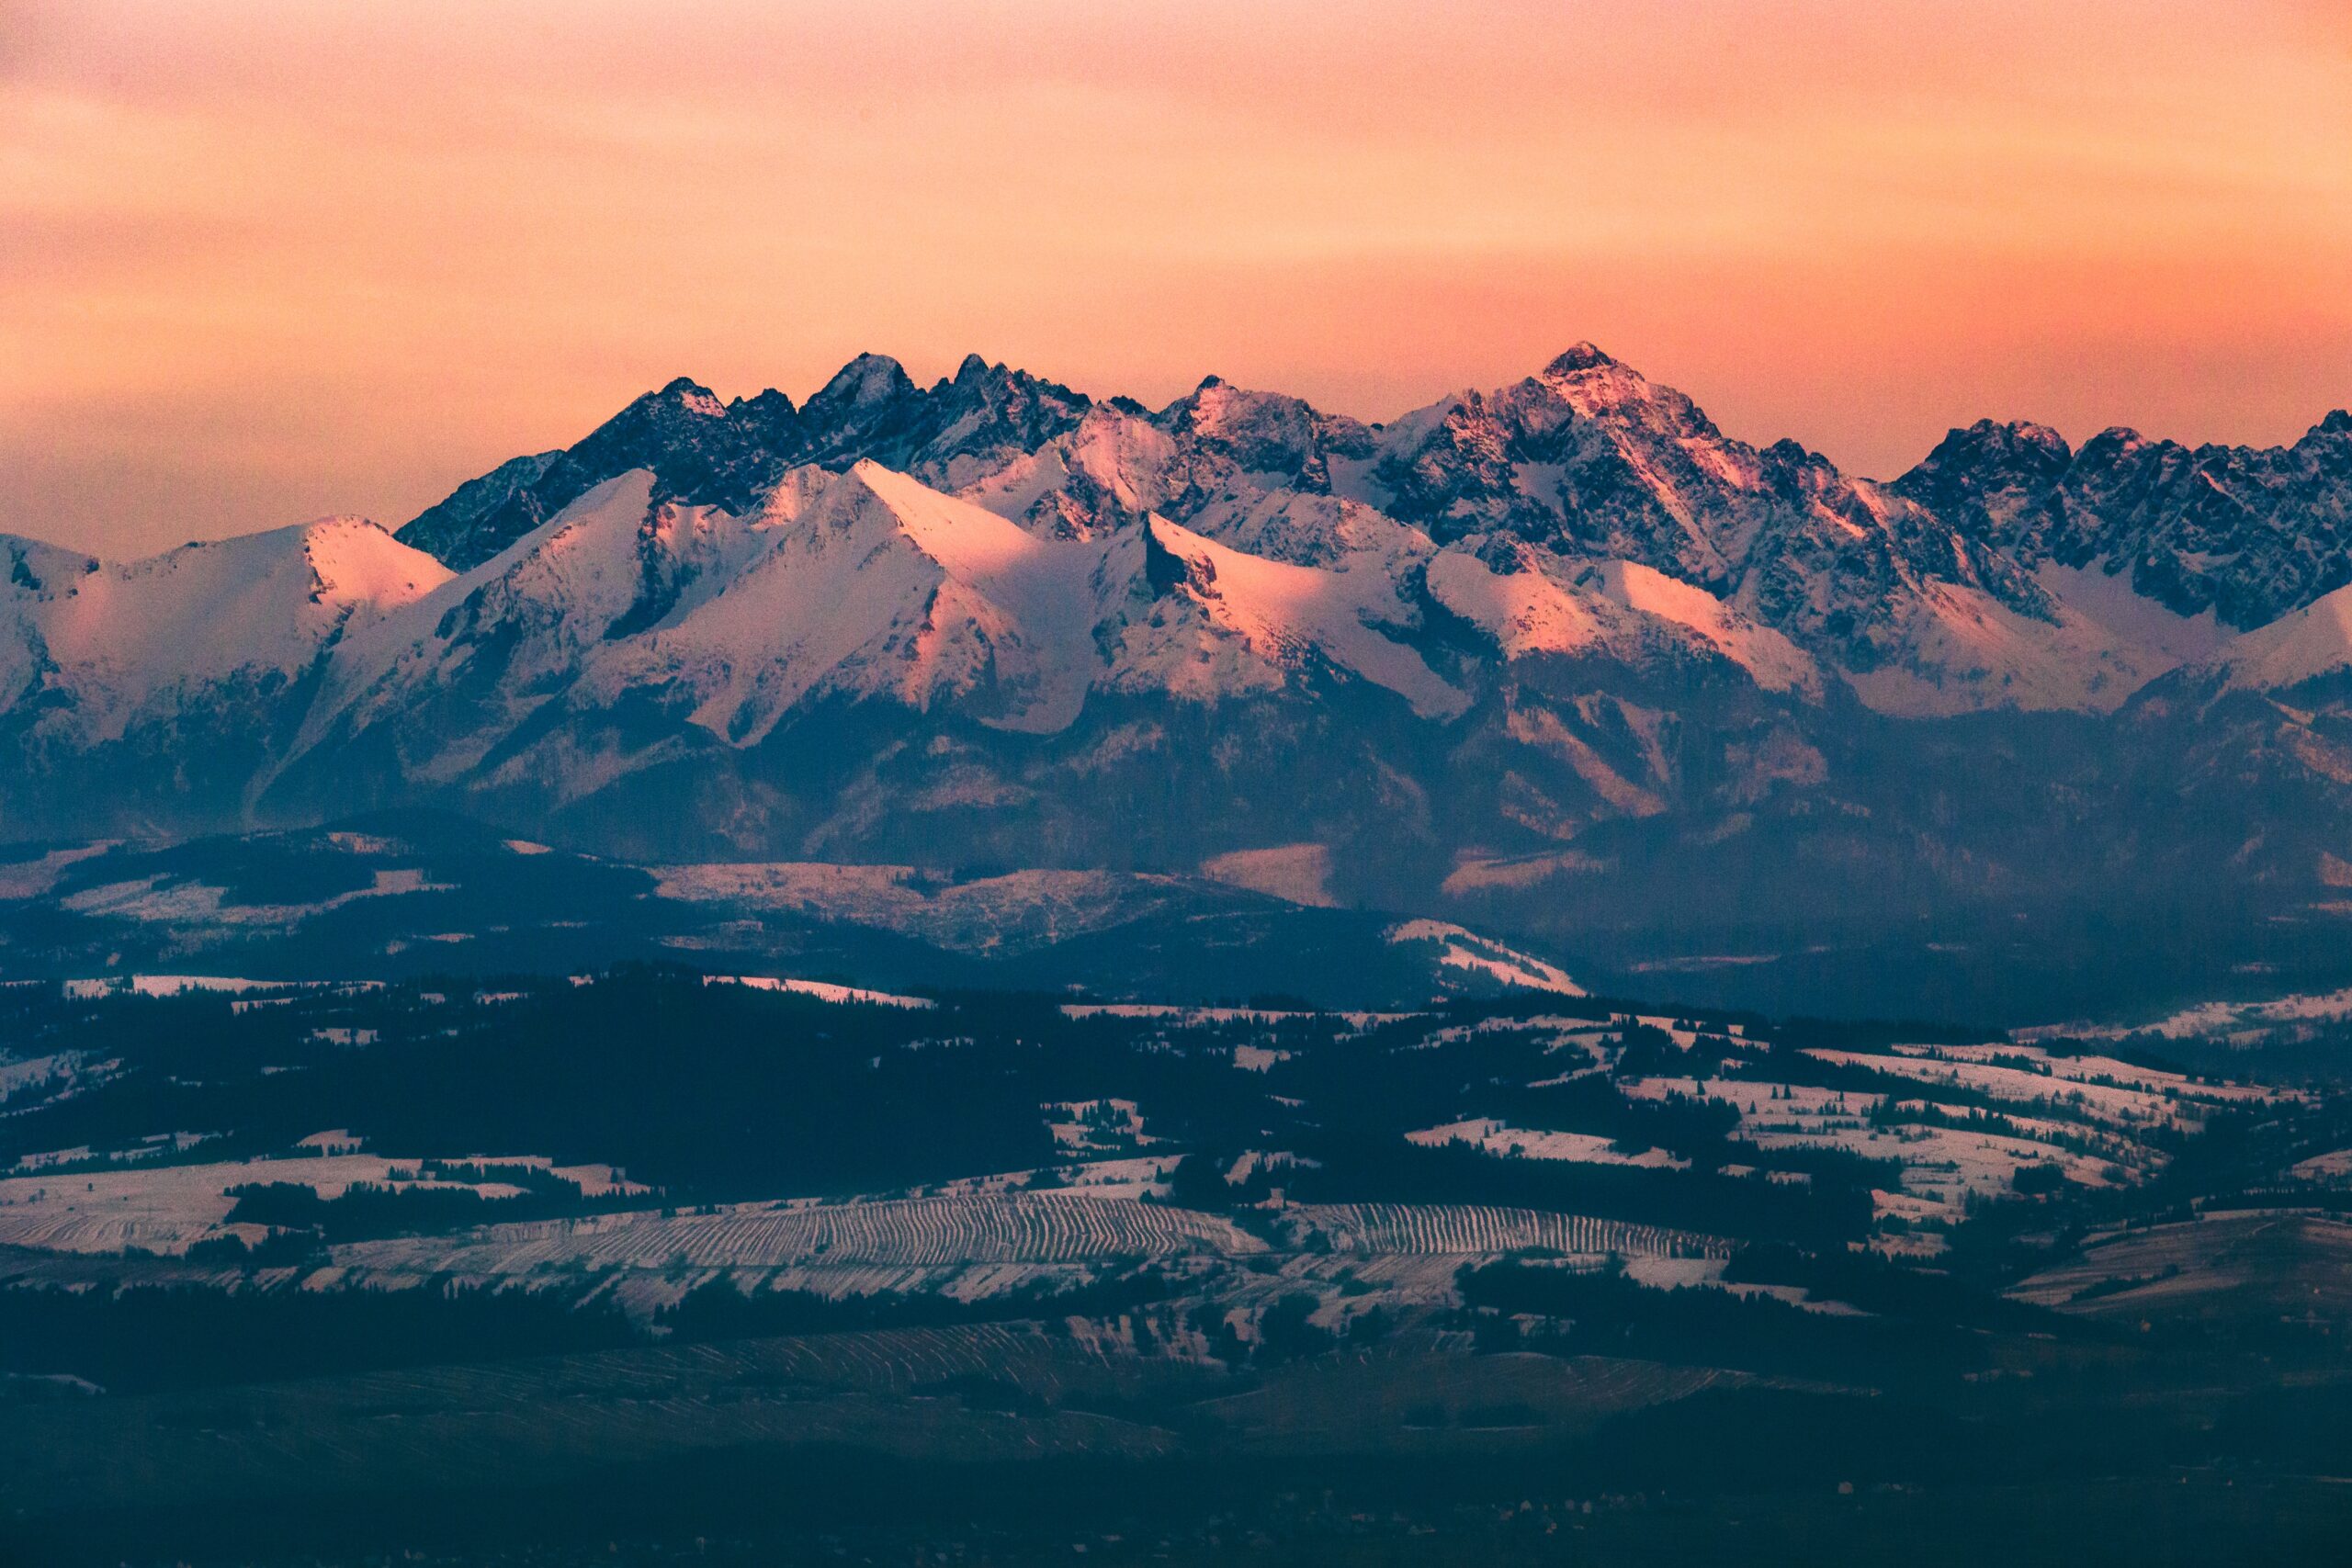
(264, 261)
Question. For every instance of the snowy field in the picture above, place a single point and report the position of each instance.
(167, 1208)
(1493, 1137)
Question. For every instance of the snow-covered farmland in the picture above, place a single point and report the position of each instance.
(1095, 1128)
(2239, 1024)
(823, 990)
(1474, 955)
(2334, 1166)
(1059, 1226)
(52, 1073)
(1461, 1228)
(2077, 1088)
(1759, 1097)
(1496, 1138)
(1129, 1178)
(1942, 1165)
(1196, 1017)
(151, 899)
(2097, 1070)
(165, 1208)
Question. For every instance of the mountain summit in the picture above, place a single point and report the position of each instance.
(1500, 654)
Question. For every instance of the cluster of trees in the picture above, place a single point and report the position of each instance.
(146, 1337)
(1604, 1311)
(720, 1309)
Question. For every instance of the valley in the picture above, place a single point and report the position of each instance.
(322, 1269)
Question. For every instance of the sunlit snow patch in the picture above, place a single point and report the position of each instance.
(823, 990)
(1464, 950)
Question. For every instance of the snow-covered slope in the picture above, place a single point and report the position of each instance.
(1532, 602)
(863, 585)
(1952, 590)
(1958, 649)
(457, 672)
(1569, 628)
(2315, 641)
(34, 573)
(127, 643)
(2245, 534)
(1947, 591)
(1268, 620)
(882, 587)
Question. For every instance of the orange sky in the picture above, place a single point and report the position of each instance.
(262, 261)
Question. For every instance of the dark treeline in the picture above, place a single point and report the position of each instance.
(1876, 1284)
(711, 1092)
(1680, 1125)
(150, 1337)
(1601, 1312)
(366, 1211)
(146, 1338)
(1740, 1477)
(718, 1308)
(1702, 1200)
(716, 1093)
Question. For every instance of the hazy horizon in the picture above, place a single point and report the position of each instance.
(264, 264)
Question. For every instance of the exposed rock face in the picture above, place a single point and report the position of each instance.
(2249, 533)
(704, 452)
(1513, 647)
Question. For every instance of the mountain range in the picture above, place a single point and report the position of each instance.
(1561, 658)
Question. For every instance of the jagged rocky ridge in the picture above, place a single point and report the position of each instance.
(1562, 653)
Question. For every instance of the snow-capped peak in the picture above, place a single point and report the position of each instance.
(865, 381)
(1580, 357)
(694, 397)
(1000, 550)
(256, 609)
(356, 562)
